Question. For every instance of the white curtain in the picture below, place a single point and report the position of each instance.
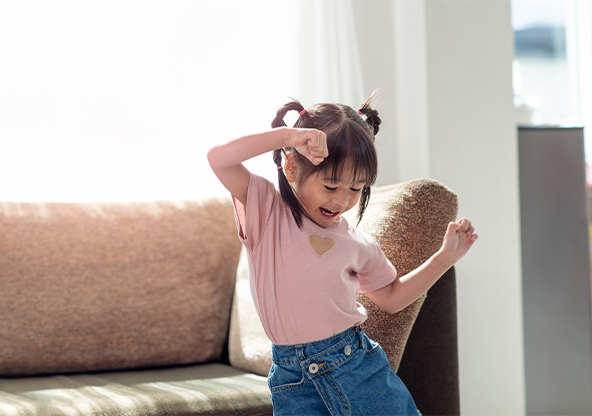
(120, 100)
(330, 67)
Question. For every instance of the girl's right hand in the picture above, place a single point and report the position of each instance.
(310, 143)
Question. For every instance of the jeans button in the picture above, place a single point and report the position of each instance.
(347, 349)
(313, 368)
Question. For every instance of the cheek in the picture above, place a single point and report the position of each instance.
(354, 201)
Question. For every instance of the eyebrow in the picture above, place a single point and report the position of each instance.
(333, 180)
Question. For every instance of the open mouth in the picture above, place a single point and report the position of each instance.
(328, 213)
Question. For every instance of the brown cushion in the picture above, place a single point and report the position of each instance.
(114, 285)
(409, 221)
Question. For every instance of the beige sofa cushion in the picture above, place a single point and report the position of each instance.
(205, 389)
(114, 285)
(409, 221)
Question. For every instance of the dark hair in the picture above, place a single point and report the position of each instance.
(348, 135)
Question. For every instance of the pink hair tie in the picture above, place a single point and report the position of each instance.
(280, 167)
(302, 112)
(360, 113)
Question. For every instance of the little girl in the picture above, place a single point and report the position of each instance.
(307, 264)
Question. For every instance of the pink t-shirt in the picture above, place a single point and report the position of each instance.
(305, 282)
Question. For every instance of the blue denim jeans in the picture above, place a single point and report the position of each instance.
(346, 374)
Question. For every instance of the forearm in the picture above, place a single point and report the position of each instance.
(237, 151)
(406, 290)
(458, 239)
(226, 160)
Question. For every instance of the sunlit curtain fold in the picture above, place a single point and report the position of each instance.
(330, 68)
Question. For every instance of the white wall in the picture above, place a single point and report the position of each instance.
(471, 147)
(448, 114)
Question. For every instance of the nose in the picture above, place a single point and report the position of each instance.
(340, 197)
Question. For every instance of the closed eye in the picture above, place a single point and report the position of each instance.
(356, 189)
(328, 188)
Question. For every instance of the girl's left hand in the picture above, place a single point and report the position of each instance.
(459, 238)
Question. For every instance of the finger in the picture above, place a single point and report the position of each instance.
(312, 140)
(323, 140)
(317, 160)
(464, 223)
(315, 157)
(452, 228)
(317, 144)
(317, 151)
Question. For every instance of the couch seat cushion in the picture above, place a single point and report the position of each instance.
(208, 389)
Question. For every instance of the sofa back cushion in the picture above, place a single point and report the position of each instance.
(114, 285)
(409, 221)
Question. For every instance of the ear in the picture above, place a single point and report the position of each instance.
(290, 167)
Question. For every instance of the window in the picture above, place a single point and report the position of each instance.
(545, 68)
(119, 101)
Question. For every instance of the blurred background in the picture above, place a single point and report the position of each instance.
(551, 63)
(120, 101)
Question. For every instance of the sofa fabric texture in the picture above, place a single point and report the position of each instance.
(408, 220)
(87, 287)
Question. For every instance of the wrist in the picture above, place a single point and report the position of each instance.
(442, 260)
(284, 135)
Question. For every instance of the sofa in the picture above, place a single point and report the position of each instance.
(143, 308)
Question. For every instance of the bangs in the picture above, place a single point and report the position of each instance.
(350, 142)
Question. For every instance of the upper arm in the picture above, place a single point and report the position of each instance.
(234, 177)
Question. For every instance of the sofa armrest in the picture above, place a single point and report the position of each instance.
(409, 221)
(429, 365)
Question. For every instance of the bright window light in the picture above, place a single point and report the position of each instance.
(120, 100)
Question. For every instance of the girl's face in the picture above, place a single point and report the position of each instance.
(325, 198)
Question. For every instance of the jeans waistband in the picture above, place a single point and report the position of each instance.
(297, 353)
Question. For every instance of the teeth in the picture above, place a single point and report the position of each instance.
(327, 212)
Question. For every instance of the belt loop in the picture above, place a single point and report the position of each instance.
(300, 352)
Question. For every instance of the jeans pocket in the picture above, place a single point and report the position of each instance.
(370, 346)
(284, 377)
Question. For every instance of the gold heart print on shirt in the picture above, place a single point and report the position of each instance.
(321, 245)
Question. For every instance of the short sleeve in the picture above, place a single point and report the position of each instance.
(251, 220)
(378, 270)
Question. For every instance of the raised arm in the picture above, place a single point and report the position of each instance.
(459, 238)
(226, 160)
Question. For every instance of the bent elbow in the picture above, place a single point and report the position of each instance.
(211, 155)
(214, 158)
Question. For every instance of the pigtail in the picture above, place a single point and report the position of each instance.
(363, 204)
(286, 191)
(373, 121)
(295, 105)
(371, 114)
